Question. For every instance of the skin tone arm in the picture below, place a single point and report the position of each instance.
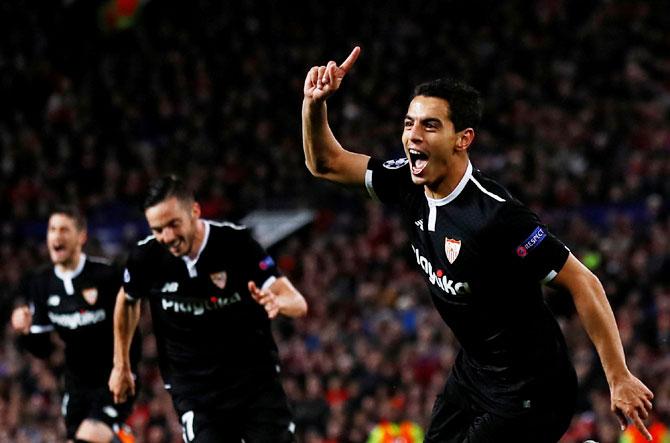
(324, 156)
(126, 318)
(630, 398)
(280, 298)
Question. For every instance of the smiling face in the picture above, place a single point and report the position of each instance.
(435, 150)
(64, 240)
(174, 223)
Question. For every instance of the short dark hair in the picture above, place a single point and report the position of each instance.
(465, 102)
(167, 187)
(70, 211)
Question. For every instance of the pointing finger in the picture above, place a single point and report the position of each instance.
(349, 62)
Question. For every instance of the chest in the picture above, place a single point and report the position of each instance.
(204, 290)
(76, 295)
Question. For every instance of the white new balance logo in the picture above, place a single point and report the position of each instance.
(419, 223)
(170, 286)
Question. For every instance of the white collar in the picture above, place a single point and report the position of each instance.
(190, 263)
(456, 192)
(69, 275)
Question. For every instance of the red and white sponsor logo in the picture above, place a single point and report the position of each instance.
(90, 295)
(452, 247)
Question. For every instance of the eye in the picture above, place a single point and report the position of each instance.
(408, 124)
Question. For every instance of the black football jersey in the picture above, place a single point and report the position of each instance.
(79, 306)
(484, 257)
(211, 334)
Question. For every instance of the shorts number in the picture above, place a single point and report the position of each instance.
(187, 426)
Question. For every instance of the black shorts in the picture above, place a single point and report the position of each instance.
(263, 416)
(457, 419)
(94, 403)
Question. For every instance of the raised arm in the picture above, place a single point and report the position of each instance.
(126, 318)
(324, 156)
(630, 398)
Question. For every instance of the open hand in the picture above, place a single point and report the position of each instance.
(631, 400)
(266, 298)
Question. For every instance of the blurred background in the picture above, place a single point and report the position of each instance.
(98, 98)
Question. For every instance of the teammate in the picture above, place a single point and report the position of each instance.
(484, 256)
(76, 298)
(212, 290)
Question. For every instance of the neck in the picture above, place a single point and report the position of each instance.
(197, 239)
(70, 265)
(455, 173)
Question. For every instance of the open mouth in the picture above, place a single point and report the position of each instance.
(58, 248)
(418, 159)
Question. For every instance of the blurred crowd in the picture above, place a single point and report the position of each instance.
(577, 105)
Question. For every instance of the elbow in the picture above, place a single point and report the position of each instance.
(302, 309)
(318, 168)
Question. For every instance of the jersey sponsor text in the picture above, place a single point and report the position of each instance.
(438, 278)
(78, 319)
(196, 306)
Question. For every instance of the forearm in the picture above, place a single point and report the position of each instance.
(319, 143)
(126, 318)
(598, 319)
(290, 301)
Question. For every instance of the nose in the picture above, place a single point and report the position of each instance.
(414, 132)
(166, 236)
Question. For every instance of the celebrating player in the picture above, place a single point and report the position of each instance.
(212, 290)
(76, 298)
(484, 256)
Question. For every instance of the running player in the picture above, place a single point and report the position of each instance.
(212, 291)
(75, 297)
(484, 256)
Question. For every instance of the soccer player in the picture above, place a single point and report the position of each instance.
(76, 298)
(212, 290)
(484, 256)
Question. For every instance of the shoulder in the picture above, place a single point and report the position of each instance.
(487, 188)
(146, 249)
(225, 230)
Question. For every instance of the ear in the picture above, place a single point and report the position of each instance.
(195, 210)
(83, 237)
(465, 139)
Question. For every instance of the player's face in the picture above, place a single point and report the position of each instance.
(64, 240)
(429, 139)
(174, 223)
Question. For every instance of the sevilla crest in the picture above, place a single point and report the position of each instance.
(452, 247)
(219, 279)
(90, 295)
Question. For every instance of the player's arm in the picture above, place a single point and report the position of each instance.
(630, 398)
(126, 318)
(324, 156)
(281, 297)
(37, 343)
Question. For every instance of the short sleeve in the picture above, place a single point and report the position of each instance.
(30, 293)
(260, 267)
(526, 245)
(388, 181)
(135, 282)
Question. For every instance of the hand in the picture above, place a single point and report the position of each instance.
(631, 400)
(267, 299)
(121, 383)
(322, 81)
(22, 320)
